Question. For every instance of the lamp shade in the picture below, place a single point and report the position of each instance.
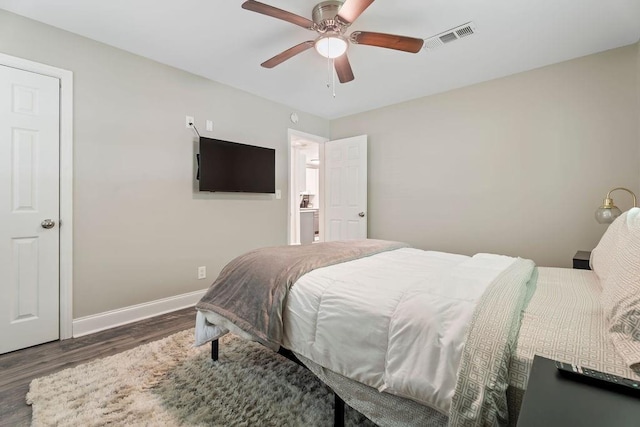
(606, 215)
(331, 46)
(608, 212)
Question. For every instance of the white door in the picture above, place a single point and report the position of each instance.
(346, 189)
(29, 196)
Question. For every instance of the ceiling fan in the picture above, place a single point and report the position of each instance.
(331, 19)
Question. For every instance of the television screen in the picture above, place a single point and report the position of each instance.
(232, 167)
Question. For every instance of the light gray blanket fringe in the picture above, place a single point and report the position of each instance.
(252, 289)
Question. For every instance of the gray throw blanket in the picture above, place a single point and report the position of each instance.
(252, 289)
(480, 398)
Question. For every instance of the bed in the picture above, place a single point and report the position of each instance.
(413, 337)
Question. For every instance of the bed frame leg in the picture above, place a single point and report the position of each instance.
(338, 411)
(214, 350)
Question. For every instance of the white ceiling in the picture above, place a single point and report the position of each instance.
(219, 40)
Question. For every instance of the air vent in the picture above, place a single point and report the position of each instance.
(449, 36)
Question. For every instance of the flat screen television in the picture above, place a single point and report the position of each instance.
(227, 166)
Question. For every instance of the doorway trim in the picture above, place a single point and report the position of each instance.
(66, 182)
(320, 140)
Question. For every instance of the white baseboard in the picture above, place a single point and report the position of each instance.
(110, 319)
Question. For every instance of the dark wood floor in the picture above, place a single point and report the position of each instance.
(18, 368)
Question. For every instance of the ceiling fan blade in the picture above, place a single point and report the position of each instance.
(289, 53)
(351, 9)
(389, 41)
(265, 9)
(343, 68)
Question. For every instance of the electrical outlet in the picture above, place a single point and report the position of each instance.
(189, 122)
(209, 125)
(202, 272)
(278, 194)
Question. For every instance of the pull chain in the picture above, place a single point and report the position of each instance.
(328, 73)
(333, 75)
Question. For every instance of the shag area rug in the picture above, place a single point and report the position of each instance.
(171, 383)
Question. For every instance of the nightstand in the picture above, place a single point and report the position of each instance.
(581, 260)
(553, 400)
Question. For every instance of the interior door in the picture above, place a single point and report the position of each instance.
(29, 208)
(346, 189)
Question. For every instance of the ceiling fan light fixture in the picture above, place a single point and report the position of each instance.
(331, 45)
(331, 20)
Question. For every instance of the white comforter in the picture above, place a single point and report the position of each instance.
(395, 321)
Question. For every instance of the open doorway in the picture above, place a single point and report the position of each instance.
(306, 189)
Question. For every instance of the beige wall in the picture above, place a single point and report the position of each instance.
(140, 230)
(515, 166)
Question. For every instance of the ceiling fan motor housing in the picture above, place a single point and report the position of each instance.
(324, 17)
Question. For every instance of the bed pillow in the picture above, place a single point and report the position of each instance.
(621, 291)
(603, 255)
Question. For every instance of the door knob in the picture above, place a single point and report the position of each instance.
(361, 214)
(48, 223)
